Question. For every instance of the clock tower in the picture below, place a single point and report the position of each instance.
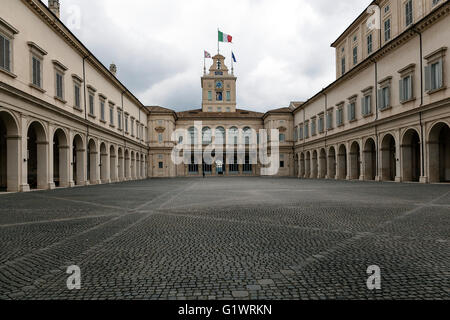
(218, 87)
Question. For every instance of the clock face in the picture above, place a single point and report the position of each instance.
(219, 84)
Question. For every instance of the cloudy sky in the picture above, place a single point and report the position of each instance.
(282, 46)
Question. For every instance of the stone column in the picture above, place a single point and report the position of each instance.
(13, 163)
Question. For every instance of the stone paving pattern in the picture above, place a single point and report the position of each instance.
(227, 238)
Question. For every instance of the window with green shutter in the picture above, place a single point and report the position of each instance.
(5, 53)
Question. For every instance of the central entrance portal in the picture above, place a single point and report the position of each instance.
(219, 167)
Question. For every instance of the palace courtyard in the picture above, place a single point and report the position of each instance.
(227, 238)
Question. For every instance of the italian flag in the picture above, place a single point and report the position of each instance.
(223, 37)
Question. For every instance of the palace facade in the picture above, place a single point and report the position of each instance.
(66, 120)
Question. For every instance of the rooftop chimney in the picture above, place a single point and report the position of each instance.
(113, 68)
(53, 5)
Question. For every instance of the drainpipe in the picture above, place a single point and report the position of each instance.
(325, 119)
(376, 115)
(422, 145)
(85, 108)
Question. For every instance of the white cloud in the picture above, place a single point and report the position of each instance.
(282, 47)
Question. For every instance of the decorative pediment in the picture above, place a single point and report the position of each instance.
(282, 129)
(160, 129)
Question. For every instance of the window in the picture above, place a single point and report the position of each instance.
(295, 134)
(206, 135)
(132, 127)
(210, 95)
(366, 105)
(433, 76)
(343, 65)
(408, 13)
(119, 119)
(384, 97)
(282, 137)
(160, 165)
(355, 55)
(321, 127)
(300, 133)
(210, 109)
(339, 117)
(228, 109)
(219, 96)
(228, 95)
(77, 94)
(102, 109)
(126, 123)
(352, 111)
(306, 130)
(313, 127)
(219, 109)
(387, 30)
(386, 9)
(405, 87)
(369, 44)
(5, 53)
(160, 138)
(91, 104)
(37, 71)
(435, 2)
(282, 164)
(330, 120)
(111, 114)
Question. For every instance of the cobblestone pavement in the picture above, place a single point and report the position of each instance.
(227, 238)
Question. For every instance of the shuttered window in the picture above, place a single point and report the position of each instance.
(408, 13)
(433, 76)
(102, 110)
(387, 30)
(36, 72)
(384, 98)
(366, 105)
(369, 44)
(405, 87)
(329, 120)
(351, 111)
(59, 85)
(5, 53)
(91, 104)
(77, 95)
(111, 115)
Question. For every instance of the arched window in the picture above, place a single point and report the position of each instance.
(233, 135)
(220, 135)
(192, 135)
(247, 135)
(206, 135)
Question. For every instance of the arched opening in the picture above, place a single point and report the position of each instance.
(9, 153)
(322, 164)
(342, 162)
(411, 156)
(331, 163)
(113, 164)
(37, 146)
(302, 165)
(439, 153)
(78, 161)
(314, 165)
(308, 165)
(370, 160)
(296, 163)
(127, 165)
(93, 163)
(355, 161)
(388, 159)
(104, 163)
(60, 159)
(121, 164)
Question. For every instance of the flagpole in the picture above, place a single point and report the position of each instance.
(232, 69)
(218, 47)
